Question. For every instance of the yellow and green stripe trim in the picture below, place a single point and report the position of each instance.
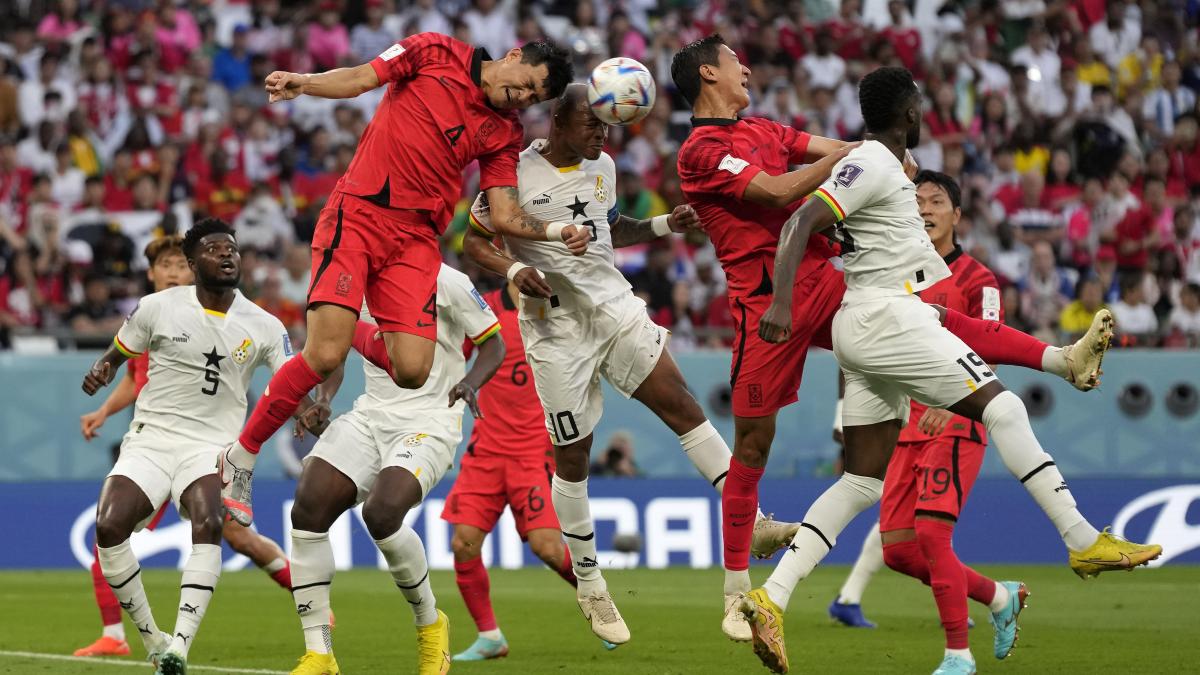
(478, 226)
(129, 353)
(831, 202)
(483, 337)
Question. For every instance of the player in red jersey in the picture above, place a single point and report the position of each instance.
(168, 268)
(447, 104)
(735, 174)
(509, 461)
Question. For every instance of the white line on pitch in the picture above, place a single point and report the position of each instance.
(133, 664)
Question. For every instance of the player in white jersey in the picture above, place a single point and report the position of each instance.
(388, 452)
(205, 341)
(892, 346)
(580, 321)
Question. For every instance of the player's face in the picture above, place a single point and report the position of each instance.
(586, 134)
(517, 85)
(939, 214)
(731, 78)
(217, 262)
(169, 270)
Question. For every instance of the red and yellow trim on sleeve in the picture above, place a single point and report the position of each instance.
(129, 353)
(824, 196)
(487, 334)
(478, 226)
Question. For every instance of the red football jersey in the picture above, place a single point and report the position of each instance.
(433, 121)
(513, 423)
(716, 163)
(139, 369)
(971, 289)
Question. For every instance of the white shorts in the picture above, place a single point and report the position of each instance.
(361, 444)
(893, 349)
(569, 353)
(164, 468)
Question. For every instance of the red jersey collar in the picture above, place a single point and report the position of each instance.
(714, 121)
(953, 255)
(477, 58)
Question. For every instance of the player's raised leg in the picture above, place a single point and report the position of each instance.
(122, 506)
(261, 551)
(846, 608)
(322, 495)
(201, 503)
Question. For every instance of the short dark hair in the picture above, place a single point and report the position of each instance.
(558, 64)
(953, 191)
(201, 230)
(685, 66)
(882, 94)
(171, 243)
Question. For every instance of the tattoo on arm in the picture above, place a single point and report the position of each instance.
(520, 223)
(629, 231)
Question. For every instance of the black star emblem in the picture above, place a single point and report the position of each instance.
(793, 548)
(577, 209)
(212, 359)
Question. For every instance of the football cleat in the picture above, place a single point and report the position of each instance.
(733, 624)
(1004, 622)
(235, 490)
(483, 649)
(105, 646)
(156, 648)
(1085, 356)
(601, 612)
(770, 536)
(433, 646)
(608, 646)
(1110, 552)
(849, 615)
(766, 626)
(172, 663)
(954, 664)
(313, 663)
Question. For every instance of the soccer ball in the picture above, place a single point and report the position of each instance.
(620, 91)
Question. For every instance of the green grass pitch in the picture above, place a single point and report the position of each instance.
(1141, 622)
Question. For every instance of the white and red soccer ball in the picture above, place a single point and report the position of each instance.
(620, 91)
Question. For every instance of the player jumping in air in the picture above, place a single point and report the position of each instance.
(735, 173)
(447, 104)
(168, 269)
(204, 341)
(402, 440)
(892, 346)
(582, 322)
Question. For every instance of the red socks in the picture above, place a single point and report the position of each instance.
(565, 570)
(996, 343)
(279, 402)
(739, 506)
(372, 349)
(283, 577)
(947, 578)
(473, 583)
(106, 600)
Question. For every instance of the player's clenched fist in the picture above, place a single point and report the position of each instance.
(97, 377)
(576, 238)
(283, 86)
(776, 323)
(683, 218)
(530, 281)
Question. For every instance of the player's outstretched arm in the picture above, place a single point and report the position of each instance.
(813, 216)
(628, 231)
(787, 188)
(120, 398)
(489, 355)
(478, 247)
(338, 83)
(510, 220)
(102, 371)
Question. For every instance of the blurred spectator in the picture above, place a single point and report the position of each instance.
(825, 69)
(66, 181)
(491, 27)
(371, 38)
(1118, 35)
(231, 65)
(1184, 323)
(1046, 289)
(1166, 103)
(270, 297)
(262, 225)
(1136, 322)
(423, 16)
(1138, 232)
(1076, 318)
(617, 459)
(97, 314)
(328, 39)
(297, 267)
(49, 96)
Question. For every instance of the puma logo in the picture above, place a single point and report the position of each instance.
(183, 637)
(127, 605)
(145, 630)
(190, 609)
(304, 607)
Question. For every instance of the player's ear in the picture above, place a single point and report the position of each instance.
(513, 55)
(957, 216)
(708, 73)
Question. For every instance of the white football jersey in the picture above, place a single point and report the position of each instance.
(462, 314)
(200, 363)
(584, 195)
(884, 245)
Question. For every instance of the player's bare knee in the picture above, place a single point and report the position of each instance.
(383, 520)
(410, 376)
(206, 528)
(306, 517)
(465, 548)
(547, 550)
(324, 356)
(109, 532)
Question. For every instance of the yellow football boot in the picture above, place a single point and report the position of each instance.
(313, 663)
(1110, 552)
(766, 627)
(433, 647)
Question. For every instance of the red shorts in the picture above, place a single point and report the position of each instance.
(765, 377)
(391, 256)
(933, 477)
(487, 483)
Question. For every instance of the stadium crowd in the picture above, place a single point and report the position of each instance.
(1071, 125)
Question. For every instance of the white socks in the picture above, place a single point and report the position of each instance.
(124, 576)
(116, 631)
(575, 518)
(708, 453)
(870, 560)
(312, 573)
(1054, 361)
(1000, 601)
(275, 565)
(1008, 425)
(825, 520)
(200, 574)
(241, 457)
(406, 561)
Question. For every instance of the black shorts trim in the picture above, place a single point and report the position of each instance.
(327, 254)
(741, 347)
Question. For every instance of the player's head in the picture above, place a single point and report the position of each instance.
(574, 124)
(939, 200)
(709, 65)
(528, 75)
(168, 266)
(891, 103)
(212, 253)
